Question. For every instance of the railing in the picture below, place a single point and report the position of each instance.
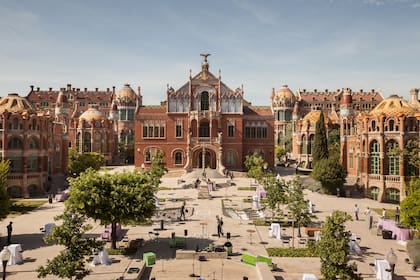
(392, 178)
(15, 177)
(375, 177)
(205, 140)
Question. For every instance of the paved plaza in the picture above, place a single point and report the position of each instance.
(201, 231)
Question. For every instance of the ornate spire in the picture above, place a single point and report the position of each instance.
(204, 63)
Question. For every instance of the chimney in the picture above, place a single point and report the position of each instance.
(32, 87)
(85, 89)
(96, 89)
(107, 89)
(37, 89)
(113, 89)
(68, 87)
(414, 92)
(50, 89)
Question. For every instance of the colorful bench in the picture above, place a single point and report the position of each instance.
(249, 259)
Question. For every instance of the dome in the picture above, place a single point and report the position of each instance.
(92, 114)
(127, 92)
(285, 93)
(394, 106)
(312, 116)
(16, 104)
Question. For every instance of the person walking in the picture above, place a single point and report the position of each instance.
(356, 212)
(219, 226)
(397, 214)
(368, 214)
(383, 213)
(182, 216)
(9, 233)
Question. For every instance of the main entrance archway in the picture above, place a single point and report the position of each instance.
(209, 159)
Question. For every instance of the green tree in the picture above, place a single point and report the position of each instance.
(255, 164)
(113, 198)
(297, 206)
(330, 173)
(410, 206)
(411, 156)
(71, 262)
(4, 197)
(279, 153)
(276, 192)
(334, 143)
(286, 140)
(320, 150)
(80, 162)
(157, 169)
(333, 248)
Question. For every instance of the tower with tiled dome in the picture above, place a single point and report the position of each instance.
(282, 103)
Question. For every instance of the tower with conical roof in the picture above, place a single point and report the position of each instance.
(346, 124)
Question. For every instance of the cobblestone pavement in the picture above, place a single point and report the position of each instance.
(202, 230)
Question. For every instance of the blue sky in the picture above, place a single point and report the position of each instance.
(362, 44)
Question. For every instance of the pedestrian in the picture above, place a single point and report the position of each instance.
(397, 214)
(9, 233)
(182, 217)
(219, 225)
(356, 212)
(383, 213)
(368, 214)
(50, 198)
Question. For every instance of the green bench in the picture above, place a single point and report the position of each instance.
(266, 260)
(249, 259)
(177, 242)
(252, 260)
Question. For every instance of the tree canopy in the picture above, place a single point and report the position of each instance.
(113, 198)
(330, 173)
(70, 263)
(4, 197)
(80, 162)
(320, 147)
(410, 206)
(157, 169)
(333, 248)
(255, 164)
(279, 153)
(276, 192)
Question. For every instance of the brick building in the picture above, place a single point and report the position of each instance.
(204, 123)
(34, 143)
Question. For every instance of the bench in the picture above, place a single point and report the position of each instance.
(264, 272)
(187, 254)
(249, 259)
(266, 260)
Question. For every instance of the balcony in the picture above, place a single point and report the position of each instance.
(205, 140)
(392, 178)
(376, 177)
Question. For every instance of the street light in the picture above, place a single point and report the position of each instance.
(391, 257)
(5, 255)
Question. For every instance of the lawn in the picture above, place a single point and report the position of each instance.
(23, 206)
(390, 213)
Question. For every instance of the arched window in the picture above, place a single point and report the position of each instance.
(373, 125)
(374, 161)
(392, 158)
(33, 144)
(280, 138)
(311, 143)
(204, 101)
(392, 195)
(178, 157)
(304, 148)
(78, 141)
(87, 147)
(391, 125)
(15, 123)
(15, 143)
(374, 193)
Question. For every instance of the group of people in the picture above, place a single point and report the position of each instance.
(384, 215)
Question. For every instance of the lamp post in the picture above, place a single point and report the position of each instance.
(391, 257)
(5, 255)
